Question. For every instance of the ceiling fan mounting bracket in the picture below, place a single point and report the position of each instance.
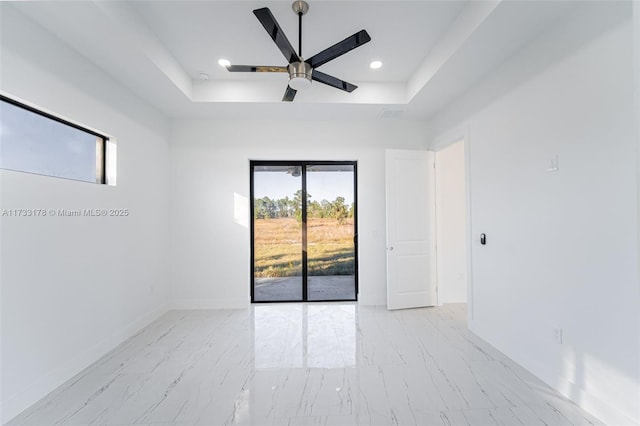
(300, 6)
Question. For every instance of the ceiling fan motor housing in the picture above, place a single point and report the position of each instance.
(299, 75)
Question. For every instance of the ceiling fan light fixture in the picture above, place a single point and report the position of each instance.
(299, 83)
(299, 75)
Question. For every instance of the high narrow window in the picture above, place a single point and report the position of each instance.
(33, 141)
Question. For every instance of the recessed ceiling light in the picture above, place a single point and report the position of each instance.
(375, 65)
(224, 63)
(204, 76)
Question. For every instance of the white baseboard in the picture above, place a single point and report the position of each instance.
(17, 403)
(585, 400)
(372, 300)
(229, 303)
(595, 406)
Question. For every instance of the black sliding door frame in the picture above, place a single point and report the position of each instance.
(303, 167)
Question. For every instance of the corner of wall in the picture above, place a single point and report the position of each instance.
(636, 73)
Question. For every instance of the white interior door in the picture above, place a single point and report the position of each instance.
(410, 191)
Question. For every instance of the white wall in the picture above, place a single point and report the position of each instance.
(636, 73)
(562, 247)
(210, 173)
(74, 287)
(451, 226)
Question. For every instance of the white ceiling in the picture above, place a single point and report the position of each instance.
(230, 30)
(433, 51)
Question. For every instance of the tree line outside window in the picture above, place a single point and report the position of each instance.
(267, 208)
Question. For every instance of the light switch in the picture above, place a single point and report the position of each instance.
(553, 164)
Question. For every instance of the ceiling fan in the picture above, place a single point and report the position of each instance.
(302, 71)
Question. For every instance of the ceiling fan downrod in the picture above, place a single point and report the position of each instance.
(300, 7)
(300, 73)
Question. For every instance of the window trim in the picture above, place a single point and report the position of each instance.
(101, 139)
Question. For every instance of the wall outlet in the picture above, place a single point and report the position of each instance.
(557, 335)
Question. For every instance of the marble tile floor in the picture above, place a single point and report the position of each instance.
(306, 364)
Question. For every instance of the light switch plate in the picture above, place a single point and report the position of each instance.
(557, 335)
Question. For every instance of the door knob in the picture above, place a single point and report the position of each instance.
(390, 248)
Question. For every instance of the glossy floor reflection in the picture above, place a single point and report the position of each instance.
(304, 336)
(306, 364)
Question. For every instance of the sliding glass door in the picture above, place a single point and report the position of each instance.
(303, 231)
(331, 250)
(277, 234)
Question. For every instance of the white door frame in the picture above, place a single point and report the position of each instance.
(456, 135)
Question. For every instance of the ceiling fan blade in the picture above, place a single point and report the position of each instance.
(339, 49)
(289, 94)
(255, 68)
(270, 24)
(332, 81)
